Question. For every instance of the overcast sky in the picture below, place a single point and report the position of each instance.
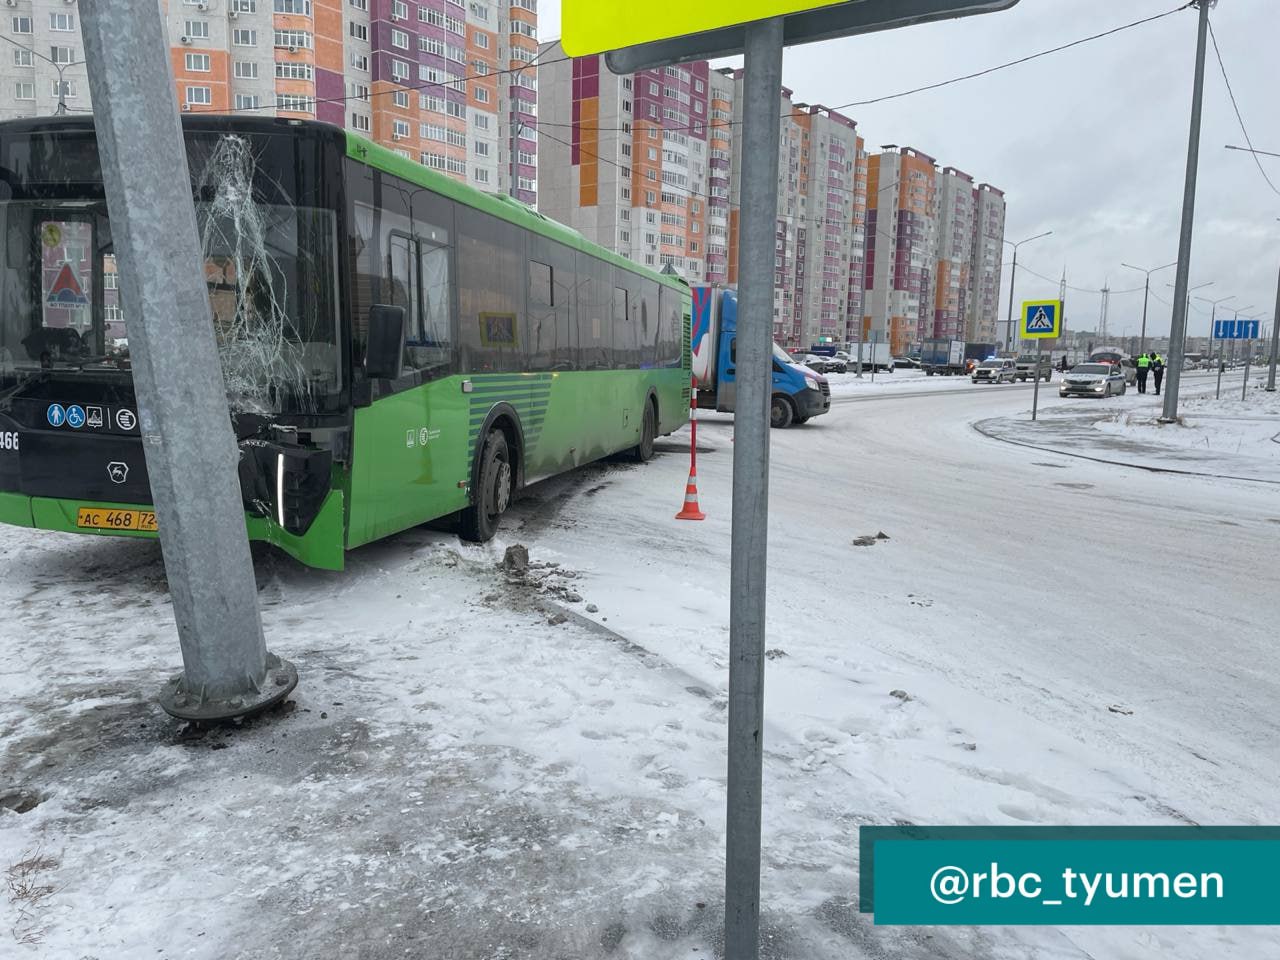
(1089, 143)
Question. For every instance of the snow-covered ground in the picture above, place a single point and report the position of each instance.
(487, 763)
(1227, 437)
(1248, 427)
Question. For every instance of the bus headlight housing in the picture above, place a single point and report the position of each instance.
(285, 482)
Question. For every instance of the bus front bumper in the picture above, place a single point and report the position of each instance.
(322, 546)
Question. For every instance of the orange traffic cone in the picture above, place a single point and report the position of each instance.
(691, 510)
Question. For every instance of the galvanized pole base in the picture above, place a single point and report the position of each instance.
(178, 700)
(761, 135)
(186, 436)
(1248, 357)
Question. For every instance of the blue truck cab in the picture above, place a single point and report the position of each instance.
(798, 393)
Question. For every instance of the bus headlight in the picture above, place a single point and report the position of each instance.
(284, 482)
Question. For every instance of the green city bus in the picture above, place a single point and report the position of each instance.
(397, 346)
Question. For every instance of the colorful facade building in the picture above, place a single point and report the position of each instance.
(988, 260)
(952, 284)
(883, 247)
(902, 219)
(626, 159)
(438, 81)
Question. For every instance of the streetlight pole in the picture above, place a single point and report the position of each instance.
(1248, 357)
(1146, 290)
(1013, 272)
(1198, 286)
(1275, 340)
(1178, 332)
(1213, 326)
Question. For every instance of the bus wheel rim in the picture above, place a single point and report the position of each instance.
(502, 488)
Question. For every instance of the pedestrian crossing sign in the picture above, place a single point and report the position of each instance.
(1041, 319)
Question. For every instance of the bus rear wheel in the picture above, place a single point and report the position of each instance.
(642, 452)
(493, 496)
(780, 412)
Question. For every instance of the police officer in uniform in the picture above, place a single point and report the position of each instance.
(1144, 364)
(1157, 370)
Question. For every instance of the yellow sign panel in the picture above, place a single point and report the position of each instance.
(1041, 319)
(594, 26)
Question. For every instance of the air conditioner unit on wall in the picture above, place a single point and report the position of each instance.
(232, 14)
(186, 40)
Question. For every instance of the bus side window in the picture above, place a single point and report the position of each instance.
(430, 347)
(671, 336)
(400, 282)
(491, 293)
(624, 335)
(551, 339)
(650, 330)
(595, 284)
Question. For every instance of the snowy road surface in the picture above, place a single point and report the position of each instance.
(480, 765)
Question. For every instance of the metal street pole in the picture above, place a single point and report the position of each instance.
(190, 450)
(1008, 323)
(1035, 390)
(1013, 272)
(1275, 340)
(1221, 341)
(761, 138)
(1146, 291)
(1178, 332)
(1248, 357)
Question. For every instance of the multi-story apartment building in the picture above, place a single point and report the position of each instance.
(855, 319)
(626, 160)
(902, 219)
(434, 80)
(825, 232)
(722, 216)
(988, 257)
(953, 286)
(881, 247)
(817, 161)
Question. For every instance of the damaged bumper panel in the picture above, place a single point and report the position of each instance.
(320, 546)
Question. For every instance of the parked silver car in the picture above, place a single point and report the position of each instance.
(996, 371)
(1093, 380)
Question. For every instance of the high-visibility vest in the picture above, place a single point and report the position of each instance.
(1144, 362)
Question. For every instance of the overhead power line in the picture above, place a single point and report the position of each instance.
(1236, 107)
(914, 90)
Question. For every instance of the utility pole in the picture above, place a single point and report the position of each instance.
(1178, 331)
(187, 440)
(1275, 340)
(761, 134)
(1013, 272)
(1146, 291)
(1103, 333)
(1213, 327)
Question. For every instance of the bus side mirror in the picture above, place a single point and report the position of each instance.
(384, 357)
